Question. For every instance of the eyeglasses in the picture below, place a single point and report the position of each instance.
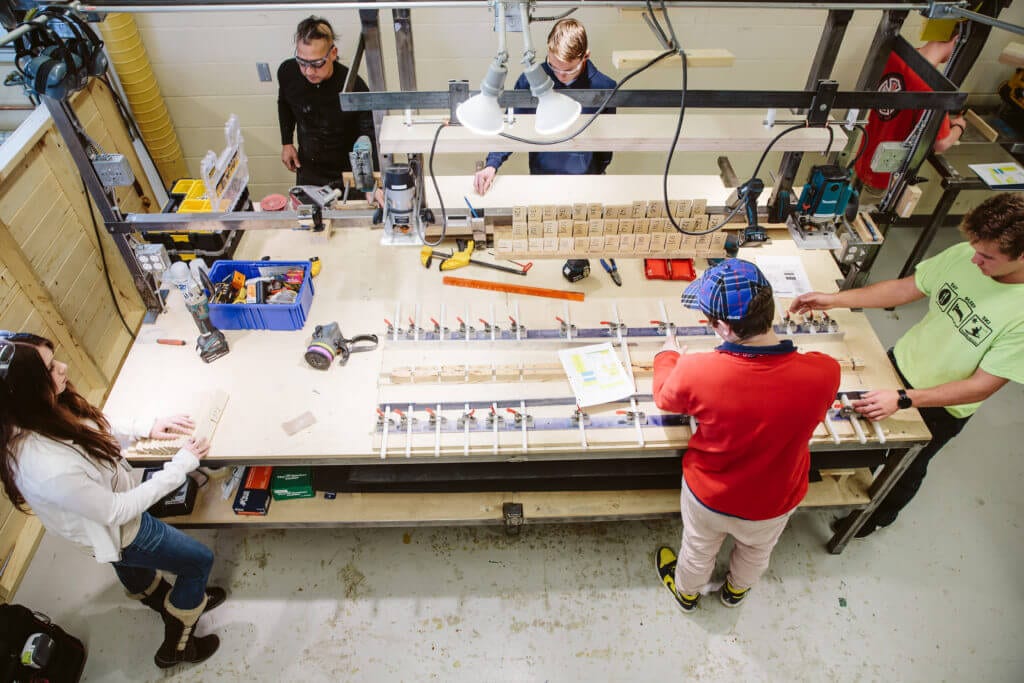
(312, 64)
(6, 357)
(567, 72)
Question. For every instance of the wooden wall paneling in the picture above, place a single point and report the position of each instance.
(39, 298)
(25, 190)
(66, 174)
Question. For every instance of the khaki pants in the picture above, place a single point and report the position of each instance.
(703, 534)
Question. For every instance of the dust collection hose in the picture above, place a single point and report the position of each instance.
(129, 58)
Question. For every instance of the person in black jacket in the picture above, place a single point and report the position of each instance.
(307, 100)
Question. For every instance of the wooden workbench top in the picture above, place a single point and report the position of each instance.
(361, 284)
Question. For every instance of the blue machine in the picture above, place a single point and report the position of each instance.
(824, 202)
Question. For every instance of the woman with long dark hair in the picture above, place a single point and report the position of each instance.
(62, 457)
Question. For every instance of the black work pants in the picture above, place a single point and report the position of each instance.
(943, 427)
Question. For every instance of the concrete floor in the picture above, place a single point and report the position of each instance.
(935, 597)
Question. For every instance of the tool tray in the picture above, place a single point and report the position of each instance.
(261, 316)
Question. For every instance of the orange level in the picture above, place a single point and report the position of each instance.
(512, 289)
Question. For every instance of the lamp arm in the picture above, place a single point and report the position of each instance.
(529, 53)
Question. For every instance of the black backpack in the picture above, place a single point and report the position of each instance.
(17, 623)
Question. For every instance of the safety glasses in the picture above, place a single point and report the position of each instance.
(312, 64)
(6, 356)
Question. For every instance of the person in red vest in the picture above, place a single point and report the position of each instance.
(886, 125)
(757, 400)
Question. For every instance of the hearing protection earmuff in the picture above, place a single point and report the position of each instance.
(56, 67)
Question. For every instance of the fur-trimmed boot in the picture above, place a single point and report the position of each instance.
(154, 596)
(180, 645)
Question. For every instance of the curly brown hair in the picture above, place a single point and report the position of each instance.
(29, 403)
(998, 219)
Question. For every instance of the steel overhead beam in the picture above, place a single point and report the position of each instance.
(699, 99)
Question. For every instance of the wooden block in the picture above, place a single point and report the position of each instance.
(717, 243)
(503, 245)
(655, 208)
(626, 226)
(672, 241)
(595, 227)
(673, 206)
(519, 214)
(563, 212)
(580, 245)
(642, 245)
(688, 245)
(703, 245)
(1012, 55)
(595, 211)
(658, 242)
(565, 245)
(400, 375)
(684, 207)
(987, 131)
(580, 229)
(520, 230)
(700, 222)
(908, 201)
(627, 244)
(549, 228)
(548, 212)
(639, 209)
(535, 230)
(564, 228)
(535, 245)
(642, 226)
(700, 206)
(520, 246)
(506, 373)
(627, 60)
(534, 214)
(550, 245)
(596, 245)
(660, 225)
(611, 244)
(579, 212)
(611, 226)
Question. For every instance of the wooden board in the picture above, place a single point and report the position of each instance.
(411, 509)
(627, 60)
(615, 133)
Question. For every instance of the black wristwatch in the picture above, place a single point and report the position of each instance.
(904, 401)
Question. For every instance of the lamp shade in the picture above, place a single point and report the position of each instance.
(481, 112)
(555, 111)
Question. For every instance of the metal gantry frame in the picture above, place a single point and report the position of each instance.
(820, 93)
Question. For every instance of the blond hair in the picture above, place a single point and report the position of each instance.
(568, 40)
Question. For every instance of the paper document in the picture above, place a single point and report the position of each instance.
(1006, 176)
(786, 275)
(596, 374)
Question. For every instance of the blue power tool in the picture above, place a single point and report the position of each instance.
(824, 202)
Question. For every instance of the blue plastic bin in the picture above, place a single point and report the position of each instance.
(261, 316)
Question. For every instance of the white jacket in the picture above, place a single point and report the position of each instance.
(96, 506)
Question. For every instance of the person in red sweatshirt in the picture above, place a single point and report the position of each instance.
(756, 401)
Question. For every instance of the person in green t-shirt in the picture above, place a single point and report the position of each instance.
(970, 343)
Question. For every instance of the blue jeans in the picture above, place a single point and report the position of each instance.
(159, 546)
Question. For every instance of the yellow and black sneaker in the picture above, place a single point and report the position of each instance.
(730, 596)
(665, 563)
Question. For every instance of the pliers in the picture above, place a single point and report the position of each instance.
(612, 270)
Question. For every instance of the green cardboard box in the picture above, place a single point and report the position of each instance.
(291, 482)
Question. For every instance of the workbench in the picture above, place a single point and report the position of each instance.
(363, 283)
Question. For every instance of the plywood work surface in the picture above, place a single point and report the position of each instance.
(613, 133)
(362, 283)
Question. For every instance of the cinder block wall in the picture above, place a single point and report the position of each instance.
(206, 65)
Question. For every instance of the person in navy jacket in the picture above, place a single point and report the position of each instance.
(569, 66)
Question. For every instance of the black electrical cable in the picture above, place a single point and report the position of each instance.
(775, 139)
(437, 191)
(863, 146)
(600, 109)
(558, 17)
(103, 257)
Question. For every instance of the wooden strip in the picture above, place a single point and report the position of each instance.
(114, 125)
(19, 266)
(615, 133)
(512, 289)
(987, 131)
(627, 60)
(1012, 55)
(24, 548)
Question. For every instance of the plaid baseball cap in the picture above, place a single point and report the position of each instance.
(725, 291)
